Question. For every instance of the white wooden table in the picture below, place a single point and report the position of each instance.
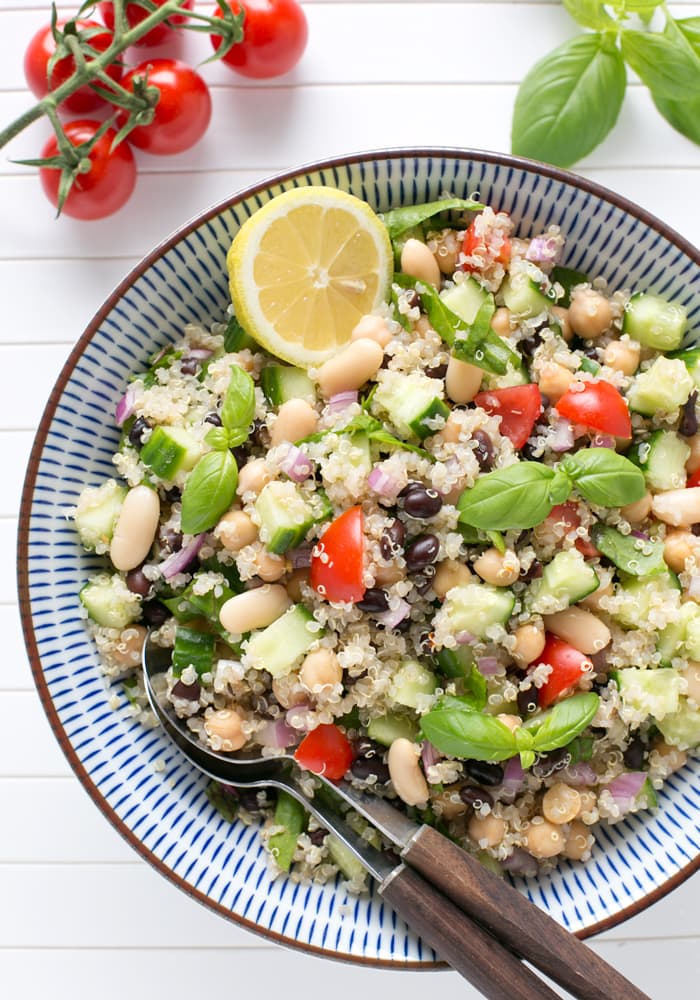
(81, 916)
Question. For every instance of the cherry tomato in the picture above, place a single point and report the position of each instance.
(107, 185)
(694, 479)
(136, 14)
(568, 664)
(489, 245)
(36, 59)
(598, 405)
(182, 113)
(325, 750)
(336, 563)
(275, 33)
(518, 407)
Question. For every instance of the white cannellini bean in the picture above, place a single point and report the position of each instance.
(500, 569)
(406, 775)
(373, 328)
(462, 381)
(136, 528)
(580, 629)
(681, 508)
(352, 367)
(254, 608)
(296, 419)
(418, 261)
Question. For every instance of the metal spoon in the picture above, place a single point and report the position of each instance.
(453, 903)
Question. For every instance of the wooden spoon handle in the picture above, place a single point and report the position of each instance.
(514, 920)
(482, 960)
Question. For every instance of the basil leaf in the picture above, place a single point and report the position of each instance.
(634, 556)
(568, 279)
(684, 116)
(581, 749)
(590, 14)
(363, 423)
(398, 220)
(209, 491)
(569, 101)
(217, 438)
(560, 487)
(469, 735)
(664, 61)
(565, 721)
(605, 478)
(238, 408)
(516, 497)
(690, 29)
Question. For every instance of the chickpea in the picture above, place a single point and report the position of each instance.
(253, 477)
(296, 419)
(693, 463)
(578, 842)
(235, 530)
(512, 721)
(127, 652)
(406, 776)
(486, 831)
(562, 316)
(452, 431)
(498, 569)
(622, 355)
(450, 573)
(638, 511)
(448, 804)
(293, 585)
(288, 691)
(374, 328)
(679, 546)
(529, 643)
(268, 567)
(672, 757)
(353, 366)
(691, 675)
(462, 381)
(588, 807)
(544, 839)
(320, 669)
(561, 803)
(447, 251)
(555, 379)
(500, 322)
(590, 314)
(417, 260)
(224, 730)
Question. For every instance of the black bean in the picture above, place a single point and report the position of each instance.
(241, 454)
(256, 429)
(484, 450)
(483, 772)
(154, 613)
(171, 539)
(600, 661)
(366, 767)
(136, 433)
(412, 299)
(688, 426)
(189, 366)
(476, 797)
(375, 600)
(527, 701)
(529, 345)
(427, 643)
(549, 763)
(438, 371)
(533, 572)
(634, 754)
(318, 836)
(257, 799)
(545, 401)
(393, 537)
(173, 495)
(137, 583)
(421, 552)
(422, 503)
(412, 484)
(695, 528)
(366, 747)
(189, 691)
(213, 418)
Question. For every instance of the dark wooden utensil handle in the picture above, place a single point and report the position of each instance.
(514, 920)
(469, 949)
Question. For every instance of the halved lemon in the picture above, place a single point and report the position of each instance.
(303, 270)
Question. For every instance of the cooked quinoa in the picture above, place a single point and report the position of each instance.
(419, 601)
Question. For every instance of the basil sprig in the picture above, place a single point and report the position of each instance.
(399, 220)
(363, 423)
(522, 495)
(460, 732)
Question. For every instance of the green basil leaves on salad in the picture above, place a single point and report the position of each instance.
(400, 220)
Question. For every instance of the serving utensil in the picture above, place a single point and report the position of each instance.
(474, 920)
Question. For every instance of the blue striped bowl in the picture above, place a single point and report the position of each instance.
(141, 784)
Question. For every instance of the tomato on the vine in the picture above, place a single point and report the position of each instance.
(274, 38)
(183, 111)
(40, 50)
(105, 187)
(135, 14)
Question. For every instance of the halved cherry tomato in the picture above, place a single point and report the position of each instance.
(135, 14)
(42, 47)
(518, 407)
(694, 479)
(598, 405)
(336, 563)
(569, 666)
(480, 243)
(325, 750)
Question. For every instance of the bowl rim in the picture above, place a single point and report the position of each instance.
(390, 153)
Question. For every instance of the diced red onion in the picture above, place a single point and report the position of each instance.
(276, 733)
(544, 250)
(341, 400)
(383, 483)
(295, 716)
(602, 441)
(125, 406)
(626, 787)
(296, 464)
(429, 754)
(520, 863)
(513, 777)
(179, 561)
(199, 353)
(464, 638)
(579, 774)
(394, 616)
(639, 534)
(488, 665)
(300, 558)
(563, 435)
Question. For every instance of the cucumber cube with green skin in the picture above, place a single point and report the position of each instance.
(649, 692)
(291, 815)
(681, 728)
(567, 579)
(672, 639)
(278, 647)
(663, 388)
(655, 322)
(691, 360)
(360, 457)
(692, 637)
(193, 648)
(109, 602)
(343, 857)
(465, 299)
(97, 512)
(170, 450)
(524, 297)
(236, 339)
(280, 383)
(636, 597)
(285, 516)
(476, 607)
(454, 663)
(412, 402)
(662, 459)
(411, 683)
(387, 728)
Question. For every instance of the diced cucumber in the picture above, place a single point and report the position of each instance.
(475, 607)
(568, 279)
(567, 579)
(411, 402)
(109, 602)
(170, 450)
(636, 597)
(465, 299)
(662, 459)
(681, 728)
(671, 639)
(650, 692)
(281, 383)
(278, 647)
(663, 388)
(290, 814)
(193, 648)
(387, 728)
(589, 365)
(343, 857)
(360, 457)
(655, 322)
(411, 683)
(634, 556)
(97, 512)
(692, 636)
(285, 516)
(236, 338)
(523, 296)
(691, 360)
(457, 662)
